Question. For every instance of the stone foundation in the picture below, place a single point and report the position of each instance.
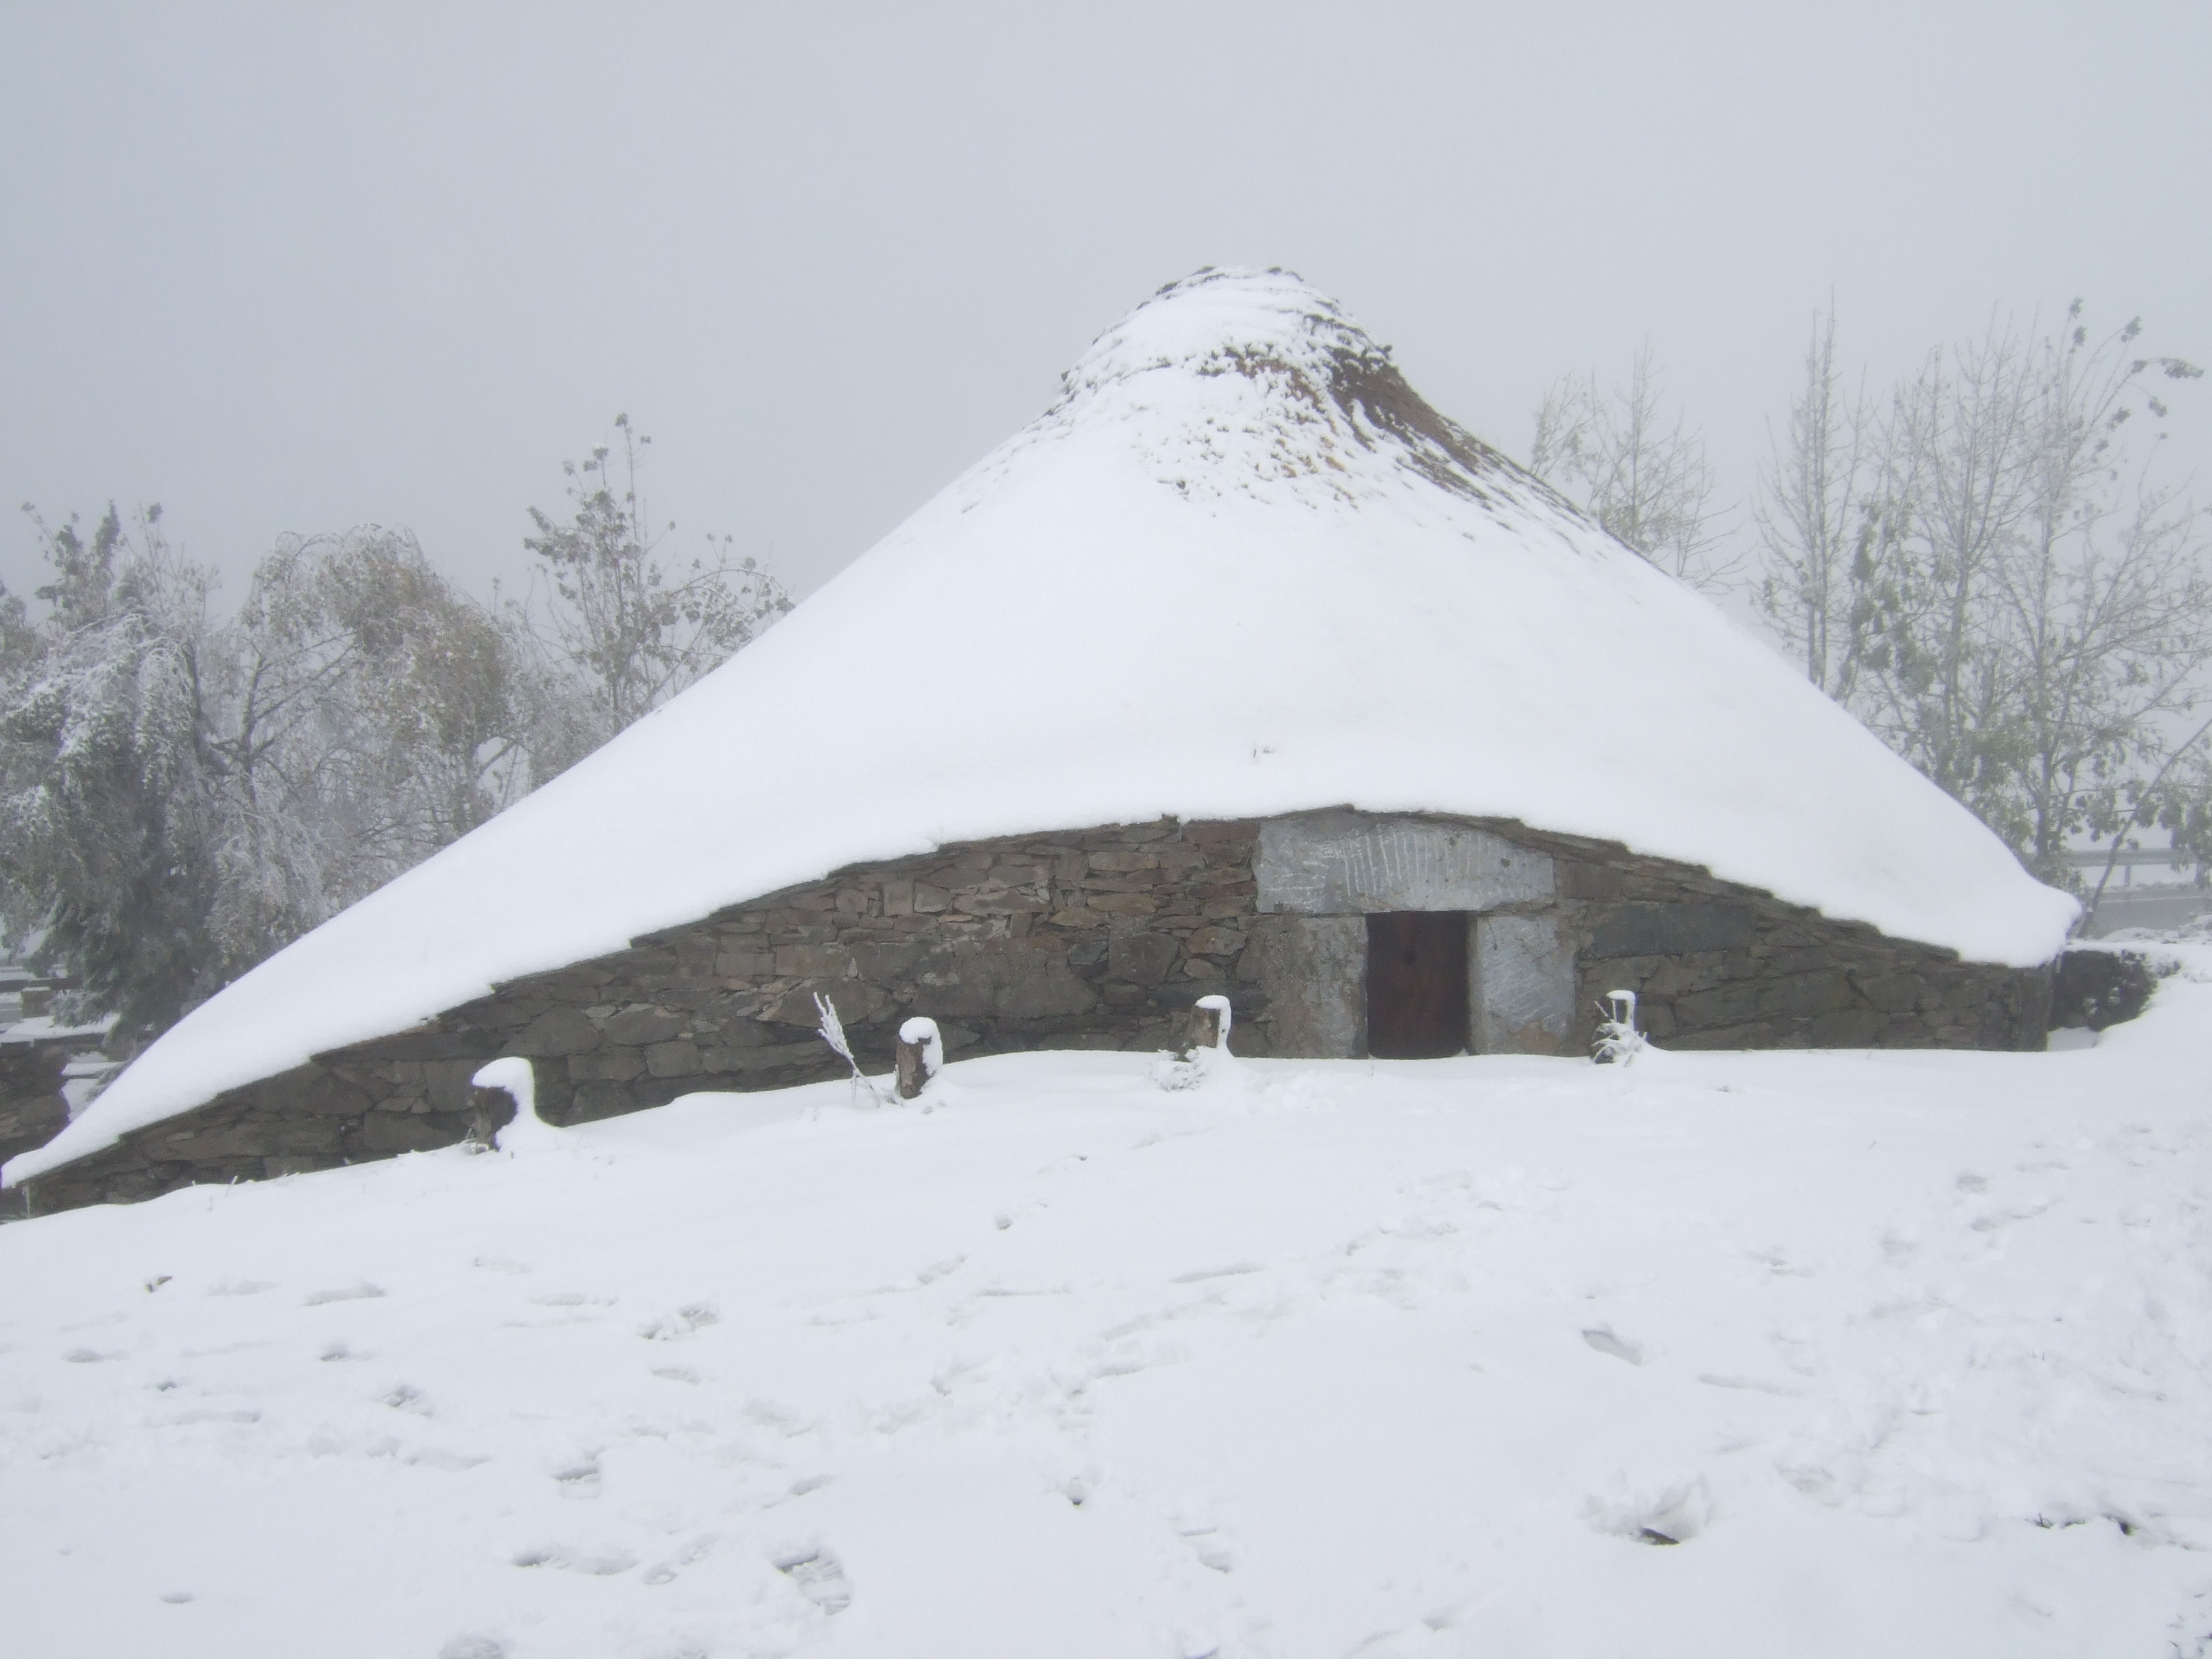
(1101, 939)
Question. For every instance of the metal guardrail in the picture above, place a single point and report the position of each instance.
(2132, 857)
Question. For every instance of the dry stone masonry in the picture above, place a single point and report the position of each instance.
(1103, 938)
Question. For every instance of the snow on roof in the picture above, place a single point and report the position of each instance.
(1238, 568)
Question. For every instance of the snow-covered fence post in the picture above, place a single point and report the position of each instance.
(921, 1056)
(525, 1130)
(1207, 1026)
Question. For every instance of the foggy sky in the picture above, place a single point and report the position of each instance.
(286, 268)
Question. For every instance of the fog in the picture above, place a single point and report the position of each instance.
(294, 268)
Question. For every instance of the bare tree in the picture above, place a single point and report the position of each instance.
(2027, 617)
(1644, 477)
(638, 629)
(1819, 534)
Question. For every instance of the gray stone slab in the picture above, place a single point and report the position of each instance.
(1521, 986)
(1313, 972)
(1352, 863)
(1667, 930)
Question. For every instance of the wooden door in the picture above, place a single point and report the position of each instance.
(1417, 984)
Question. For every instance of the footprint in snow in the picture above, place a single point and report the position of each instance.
(1601, 1337)
(818, 1576)
(405, 1397)
(363, 1292)
(603, 1563)
(579, 1479)
(1670, 1515)
(665, 1572)
(673, 1328)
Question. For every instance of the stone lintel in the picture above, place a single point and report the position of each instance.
(1354, 863)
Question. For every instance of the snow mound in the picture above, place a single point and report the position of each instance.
(1239, 569)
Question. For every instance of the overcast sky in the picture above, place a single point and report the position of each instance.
(293, 268)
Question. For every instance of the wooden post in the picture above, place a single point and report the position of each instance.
(1207, 1026)
(921, 1056)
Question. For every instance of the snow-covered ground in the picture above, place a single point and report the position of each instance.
(1907, 1351)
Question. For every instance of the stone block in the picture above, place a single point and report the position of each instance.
(1656, 930)
(889, 962)
(1589, 881)
(744, 963)
(606, 1066)
(1847, 1028)
(555, 1032)
(1521, 986)
(771, 1057)
(856, 1002)
(1312, 971)
(678, 1059)
(1120, 861)
(812, 961)
(929, 900)
(1216, 942)
(595, 1101)
(1348, 863)
(641, 1022)
(1729, 1006)
(1000, 902)
(1802, 995)
(1140, 959)
(1209, 833)
(1123, 904)
(1893, 993)
(1004, 979)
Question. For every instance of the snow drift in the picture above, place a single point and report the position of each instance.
(1238, 568)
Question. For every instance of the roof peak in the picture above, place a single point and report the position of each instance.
(1231, 314)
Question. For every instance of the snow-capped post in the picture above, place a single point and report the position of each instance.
(1207, 1027)
(513, 1077)
(921, 1056)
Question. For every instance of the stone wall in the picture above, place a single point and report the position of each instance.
(1098, 938)
(1715, 966)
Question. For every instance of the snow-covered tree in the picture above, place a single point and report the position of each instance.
(181, 798)
(111, 812)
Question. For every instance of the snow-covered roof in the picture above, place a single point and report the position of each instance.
(1238, 568)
